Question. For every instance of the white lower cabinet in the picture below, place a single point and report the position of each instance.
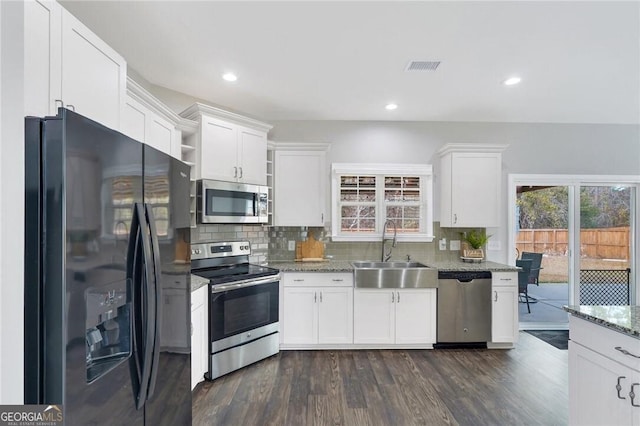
(199, 335)
(604, 383)
(504, 316)
(317, 309)
(402, 317)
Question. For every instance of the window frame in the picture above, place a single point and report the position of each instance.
(381, 171)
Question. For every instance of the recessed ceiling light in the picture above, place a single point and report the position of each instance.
(229, 76)
(511, 81)
(391, 107)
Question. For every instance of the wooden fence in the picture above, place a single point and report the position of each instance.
(600, 243)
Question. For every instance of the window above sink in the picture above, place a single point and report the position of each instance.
(365, 195)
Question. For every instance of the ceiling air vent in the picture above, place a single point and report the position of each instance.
(423, 65)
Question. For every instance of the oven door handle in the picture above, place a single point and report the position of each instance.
(244, 283)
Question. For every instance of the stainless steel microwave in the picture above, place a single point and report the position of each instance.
(231, 202)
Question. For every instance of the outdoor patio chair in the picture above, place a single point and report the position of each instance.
(523, 280)
(536, 262)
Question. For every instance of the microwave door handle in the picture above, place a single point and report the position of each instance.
(256, 204)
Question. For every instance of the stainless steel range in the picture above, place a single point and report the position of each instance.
(243, 305)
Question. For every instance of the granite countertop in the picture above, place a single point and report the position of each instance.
(625, 319)
(330, 266)
(198, 282)
(345, 266)
(458, 265)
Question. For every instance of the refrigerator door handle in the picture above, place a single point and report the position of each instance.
(134, 286)
(143, 311)
(157, 303)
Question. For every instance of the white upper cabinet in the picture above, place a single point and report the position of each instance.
(94, 76)
(148, 120)
(42, 56)
(228, 146)
(300, 185)
(470, 182)
(64, 60)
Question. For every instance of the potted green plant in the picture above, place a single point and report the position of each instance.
(475, 241)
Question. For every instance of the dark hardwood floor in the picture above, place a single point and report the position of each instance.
(527, 385)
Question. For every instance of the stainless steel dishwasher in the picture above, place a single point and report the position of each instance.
(464, 307)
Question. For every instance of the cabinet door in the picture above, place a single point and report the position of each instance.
(300, 320)
(198, 345)
(134, 119)
(504, 319)
(373, 316)
(160, 133)
(42, 55)
(335, 315)
(219, 150)
(94, 76)
(174, 333)
(252, 146)
(300, 188)
(416, 316)
(475, 189)
(593, 396)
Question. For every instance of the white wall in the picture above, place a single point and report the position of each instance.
(11, 201)
(533, 148)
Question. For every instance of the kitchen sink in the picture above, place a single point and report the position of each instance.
(384, 265)
(394, 275)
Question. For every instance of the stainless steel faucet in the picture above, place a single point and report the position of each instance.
(385, 257)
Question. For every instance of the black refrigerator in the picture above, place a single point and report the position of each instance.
(107, 275)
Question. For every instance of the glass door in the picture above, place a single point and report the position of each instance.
(605, 254)
(543, 236)
(583, 230)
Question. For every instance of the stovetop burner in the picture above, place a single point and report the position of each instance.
(225, 262)
(227, 274)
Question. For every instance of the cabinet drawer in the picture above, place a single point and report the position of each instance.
(504, 279)
(317, 279)
(605, 341)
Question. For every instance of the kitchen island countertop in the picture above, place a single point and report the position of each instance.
(624, 318)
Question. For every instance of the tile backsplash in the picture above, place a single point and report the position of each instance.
(257, 235)
(270, 244)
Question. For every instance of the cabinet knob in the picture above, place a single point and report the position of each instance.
(495, 296)
(632, 395)
(619, 387)
(235, 171)
(240, 172)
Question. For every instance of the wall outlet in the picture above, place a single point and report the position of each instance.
(442, 244)
(454, 245)
(493, 245)
(292, 245)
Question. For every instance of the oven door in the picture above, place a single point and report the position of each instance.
(241, 312)
(228, 202)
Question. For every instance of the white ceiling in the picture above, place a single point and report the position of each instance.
(579, 61)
